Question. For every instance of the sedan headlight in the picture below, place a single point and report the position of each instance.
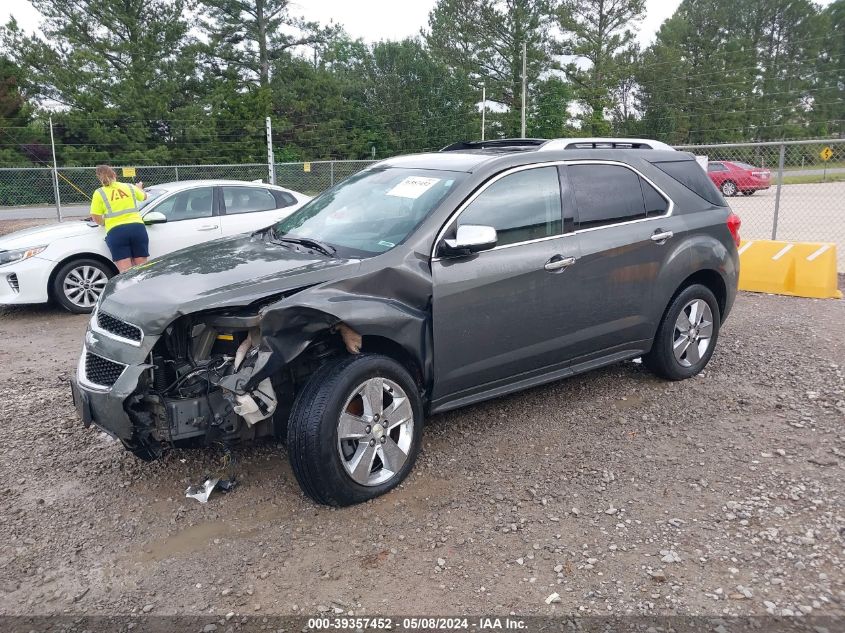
(20, 254)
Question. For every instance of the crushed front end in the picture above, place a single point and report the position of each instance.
(157, 391)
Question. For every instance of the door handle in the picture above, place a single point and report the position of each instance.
(559, 263)
(661, 236)
(207, 227)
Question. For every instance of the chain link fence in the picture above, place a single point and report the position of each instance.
(792, 190)
(33, 186)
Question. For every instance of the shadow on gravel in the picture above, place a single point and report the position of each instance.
(33, 310)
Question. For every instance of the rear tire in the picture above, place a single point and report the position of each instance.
(729, 188)
(749, 192)
(79, 283)
(687, 334)
(355, 429)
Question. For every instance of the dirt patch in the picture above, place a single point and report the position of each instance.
(623, 493)
(10, 226)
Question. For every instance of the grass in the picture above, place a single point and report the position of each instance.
(812, 179)
(817, 165)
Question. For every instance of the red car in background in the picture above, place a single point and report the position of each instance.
(732, 178)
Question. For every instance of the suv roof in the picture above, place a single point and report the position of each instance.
(591, 142)
(468, 156)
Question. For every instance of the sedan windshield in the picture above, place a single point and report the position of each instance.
(372, 211)
(152, 194)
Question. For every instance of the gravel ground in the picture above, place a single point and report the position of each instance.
(621, 493)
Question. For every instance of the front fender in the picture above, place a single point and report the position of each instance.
(393, 303)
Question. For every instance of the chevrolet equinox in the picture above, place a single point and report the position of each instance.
(421, 284)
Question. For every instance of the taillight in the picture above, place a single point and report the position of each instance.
(733, 226)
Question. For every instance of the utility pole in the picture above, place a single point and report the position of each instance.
(483, 107)
(524, 82)
(271, 162)
(55, 174)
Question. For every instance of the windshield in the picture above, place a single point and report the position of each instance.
(152, 194)
(372, 211)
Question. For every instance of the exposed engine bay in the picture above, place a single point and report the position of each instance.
(184, 399)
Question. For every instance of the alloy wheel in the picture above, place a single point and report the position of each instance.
(729, 188)
(375, 431)
(693, 332)
(83, 285)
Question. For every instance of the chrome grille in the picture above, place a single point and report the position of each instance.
(117, 327)
(102, 371)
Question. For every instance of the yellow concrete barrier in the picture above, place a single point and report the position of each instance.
(798, 269)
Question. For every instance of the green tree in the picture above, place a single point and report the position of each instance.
(116, 68)
(549, 116)
(733, 70)
(21, 138)
(595, 34)
(829, 77)
(250, 36)
(483, 40)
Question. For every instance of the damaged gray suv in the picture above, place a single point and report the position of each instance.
(422, 284)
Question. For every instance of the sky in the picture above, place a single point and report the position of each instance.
(371, 20)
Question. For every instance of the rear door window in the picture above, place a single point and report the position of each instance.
(521, 206)
(655, 204)
(247, 199)
(606, 194)
(716, 167)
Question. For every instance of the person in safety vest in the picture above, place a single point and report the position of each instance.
(115, 206)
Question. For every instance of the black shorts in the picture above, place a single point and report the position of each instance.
(128, 241)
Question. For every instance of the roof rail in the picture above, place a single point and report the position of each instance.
(497, 143)
(605, 143)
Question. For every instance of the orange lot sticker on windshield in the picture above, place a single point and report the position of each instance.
(413, 187)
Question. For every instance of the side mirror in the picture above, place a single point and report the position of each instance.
(155, 217)
(470, 238)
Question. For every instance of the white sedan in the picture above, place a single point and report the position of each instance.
(69, 262)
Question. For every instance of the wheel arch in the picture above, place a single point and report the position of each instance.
(711, 280)
(376, 344)
(59, 264)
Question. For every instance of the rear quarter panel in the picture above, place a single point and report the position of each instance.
(706, 245)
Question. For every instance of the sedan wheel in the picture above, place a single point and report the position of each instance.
(729, 188)
(78, 285)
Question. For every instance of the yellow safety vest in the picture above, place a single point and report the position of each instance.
(118, 204)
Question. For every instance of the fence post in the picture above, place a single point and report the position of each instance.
(271, 163)
(55, 174)
(176, 169)
(331, 178)
(777, 193)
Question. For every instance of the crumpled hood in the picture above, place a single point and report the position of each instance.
(44, 235)
(227, 272)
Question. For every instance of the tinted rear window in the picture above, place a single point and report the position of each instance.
(690, 174)
(606, 194)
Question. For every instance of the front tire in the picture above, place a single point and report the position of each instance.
(687, 335)
(729, 188)
(355, 429)
(79, 283)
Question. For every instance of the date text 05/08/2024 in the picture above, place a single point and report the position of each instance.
(411, 623)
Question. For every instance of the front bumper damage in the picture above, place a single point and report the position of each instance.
(125, 387)
(230, 374)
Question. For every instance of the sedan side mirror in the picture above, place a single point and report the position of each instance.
(155, 217)
(470, 238)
